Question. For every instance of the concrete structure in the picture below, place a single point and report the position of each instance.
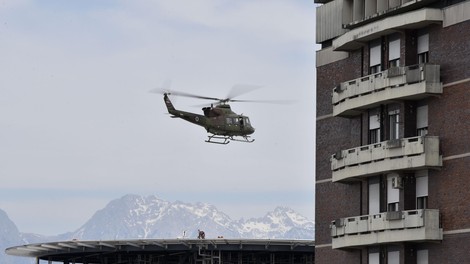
(393, 131)
(169, 251)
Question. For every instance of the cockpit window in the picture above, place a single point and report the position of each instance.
(247, 120)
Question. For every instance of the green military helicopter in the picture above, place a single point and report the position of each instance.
(220, 121)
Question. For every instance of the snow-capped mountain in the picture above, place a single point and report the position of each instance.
(282, 223)
(134, 216)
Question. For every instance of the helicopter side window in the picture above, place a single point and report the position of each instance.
(229, 121)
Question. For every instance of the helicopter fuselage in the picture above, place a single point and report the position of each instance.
(219, 120)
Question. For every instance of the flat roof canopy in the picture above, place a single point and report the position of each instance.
(95, 251)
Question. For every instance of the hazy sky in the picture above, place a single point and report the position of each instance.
(78, 126)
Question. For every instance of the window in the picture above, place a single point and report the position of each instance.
(423, 57)
(393, 257)
(394, 51)
(423, 47)
(374, 258)
(393, 207)
(421, 189)
(394, 125)
(374, 195)
(422, 120)
(393, 194)
(374, 136)
(394, 63)
(422, 202)
(375, 55)
(374, 128)
(422, 256)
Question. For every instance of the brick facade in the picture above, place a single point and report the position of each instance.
(448, 118)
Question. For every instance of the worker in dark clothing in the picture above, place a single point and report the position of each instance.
(201, 235)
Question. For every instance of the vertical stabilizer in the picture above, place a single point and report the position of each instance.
(168, 104)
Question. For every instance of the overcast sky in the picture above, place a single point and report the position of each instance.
(79, 128)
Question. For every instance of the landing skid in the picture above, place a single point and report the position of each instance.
(224, 140)
(245, 139)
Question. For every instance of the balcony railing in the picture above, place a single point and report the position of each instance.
(389, 227)
(373, 27)
(413, 153)
(336, 17)
(375, 10)
(410, 83)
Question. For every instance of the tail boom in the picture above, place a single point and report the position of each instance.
(190, 117)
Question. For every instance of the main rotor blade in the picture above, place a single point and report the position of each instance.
(264, 101)
(194, 96)
(240, 89)
(237, 90)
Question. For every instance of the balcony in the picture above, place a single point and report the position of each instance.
(350, 23)
(359, 36)
(389, 227)
(414, 153)
(402, 83)
(380, 9)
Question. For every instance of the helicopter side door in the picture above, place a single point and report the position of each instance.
(231, 122)
(241, 122)
(234, 124)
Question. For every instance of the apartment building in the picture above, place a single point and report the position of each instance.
(393, 132)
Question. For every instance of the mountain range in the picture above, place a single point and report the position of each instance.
(139, 217)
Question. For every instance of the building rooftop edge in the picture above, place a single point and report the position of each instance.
(74, 246)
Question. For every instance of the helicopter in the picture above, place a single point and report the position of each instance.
(222, 124)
